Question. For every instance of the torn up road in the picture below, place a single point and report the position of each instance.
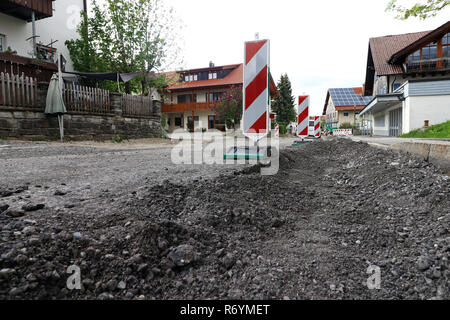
(335, 209)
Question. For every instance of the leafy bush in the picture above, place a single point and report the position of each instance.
(347, 125)
(163, 121)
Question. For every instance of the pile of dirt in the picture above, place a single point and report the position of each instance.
(310, 232)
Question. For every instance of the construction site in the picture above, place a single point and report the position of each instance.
(310, 163)
(138, 231)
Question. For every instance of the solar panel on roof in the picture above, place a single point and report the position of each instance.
(347, 97)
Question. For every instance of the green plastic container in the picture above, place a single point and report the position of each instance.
(247, 153)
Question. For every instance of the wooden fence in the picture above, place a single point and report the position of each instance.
(136, 106)
(18, 91)
(22, 92)
(86, 99)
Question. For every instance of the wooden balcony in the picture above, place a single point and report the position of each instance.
(22, 9)
(14, 64)
(182, 107)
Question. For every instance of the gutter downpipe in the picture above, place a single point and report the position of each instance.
(33, 27)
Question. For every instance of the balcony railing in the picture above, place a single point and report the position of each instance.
(192, 106)
(22, 9)
(430, 65)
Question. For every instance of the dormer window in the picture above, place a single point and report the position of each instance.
(212, 75)
(191, 77)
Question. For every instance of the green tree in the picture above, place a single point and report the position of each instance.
(126, 36)
(284, 104)
(229, 107)
(422, 10)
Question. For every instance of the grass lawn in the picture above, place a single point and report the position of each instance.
(437, 131)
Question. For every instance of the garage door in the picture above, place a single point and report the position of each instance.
(395, 122)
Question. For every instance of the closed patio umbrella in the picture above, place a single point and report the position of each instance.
(55, 103)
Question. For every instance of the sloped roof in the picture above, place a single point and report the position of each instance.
(346, 99)
(234, 78)
(383, 48)
(428, 38)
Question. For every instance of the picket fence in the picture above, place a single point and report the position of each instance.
(88, 100)
(18, 91)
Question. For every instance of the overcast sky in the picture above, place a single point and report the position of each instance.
(319, 44)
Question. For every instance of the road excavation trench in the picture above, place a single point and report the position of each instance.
(335, 209)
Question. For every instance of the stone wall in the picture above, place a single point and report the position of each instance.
(33, 123)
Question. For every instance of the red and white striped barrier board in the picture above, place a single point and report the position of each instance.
(303, 116)
(317, 127)
(256, 89)
(277, 131)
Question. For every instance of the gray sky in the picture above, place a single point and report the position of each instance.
(319, 44)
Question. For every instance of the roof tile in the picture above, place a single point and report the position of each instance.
(234, 78)
(383, 48)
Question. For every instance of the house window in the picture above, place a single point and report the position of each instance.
(446, 46)
(212, 75)
(345, 114)
(187, 98)
(446, 39)
(430, 51)
(191, 78)
(414, 56)
(396, 86)
(214, 96)
(429, 57)
(186, 78)
(2, 42)
(195, 77)
(178, 122)
(196, 120)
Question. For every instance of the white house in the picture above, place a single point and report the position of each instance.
(55, 22)
(408, 76)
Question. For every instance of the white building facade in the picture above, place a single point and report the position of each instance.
(417, 103)
(16, 29)
(409, 77)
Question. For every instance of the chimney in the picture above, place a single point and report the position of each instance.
(211, 64)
